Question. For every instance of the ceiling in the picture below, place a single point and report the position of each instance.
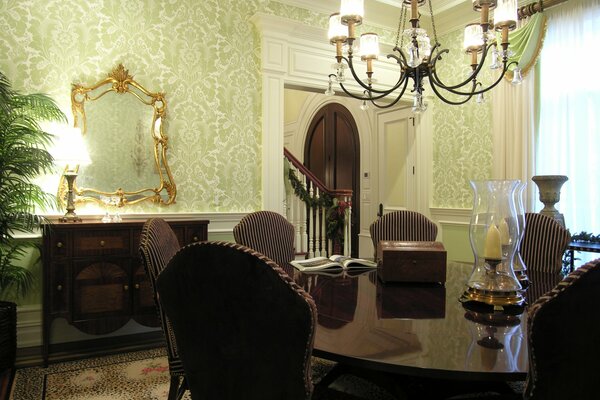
(449, 14)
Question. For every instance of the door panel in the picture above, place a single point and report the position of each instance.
(332, 153)
(397, 178)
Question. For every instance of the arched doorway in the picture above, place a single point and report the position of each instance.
(332, 153)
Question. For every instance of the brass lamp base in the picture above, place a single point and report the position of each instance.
(70, 215)
(493, 298)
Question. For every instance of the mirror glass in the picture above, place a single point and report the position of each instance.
(122, 126)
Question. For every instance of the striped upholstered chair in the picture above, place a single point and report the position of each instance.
(244, 328)
(403, 225)
(158, 244)
(268, 233)
(544, 243)
(563, 333)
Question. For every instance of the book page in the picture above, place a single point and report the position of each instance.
(349, 262)
(315, 264)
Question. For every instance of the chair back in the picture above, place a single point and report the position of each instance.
(269, 233)
(244, 328)
(403, 225)
(158, 243)
(544, 243)
(564, 338)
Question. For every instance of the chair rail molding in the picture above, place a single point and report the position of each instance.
(296, 55)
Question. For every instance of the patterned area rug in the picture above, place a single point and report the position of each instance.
(144, 375)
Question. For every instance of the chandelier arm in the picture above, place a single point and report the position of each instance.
(356, 78)
(372, 98)
(474, 92)
(354, 96)
(393, 102)
(381, 93)
(455, 103)
(433, 71)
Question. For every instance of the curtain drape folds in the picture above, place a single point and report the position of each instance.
(569, 134)
(526, 43)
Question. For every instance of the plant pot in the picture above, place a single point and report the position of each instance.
(8, 335)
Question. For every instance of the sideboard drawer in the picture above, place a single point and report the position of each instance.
(94, 243)
(60, 245)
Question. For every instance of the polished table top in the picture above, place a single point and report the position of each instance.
(415, 329)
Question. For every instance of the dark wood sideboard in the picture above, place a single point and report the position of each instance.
(93, 276)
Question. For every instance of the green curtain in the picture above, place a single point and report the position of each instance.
(526, 43)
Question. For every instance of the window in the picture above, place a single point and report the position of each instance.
(568, 141)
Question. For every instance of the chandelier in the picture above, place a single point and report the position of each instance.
(418, 59)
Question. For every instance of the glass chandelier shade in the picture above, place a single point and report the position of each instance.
(473, 38)
(352, 10)
(337, 31)
(505, 14)
(417, 54)
(369, 46)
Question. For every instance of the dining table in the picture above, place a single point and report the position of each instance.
(419, 330)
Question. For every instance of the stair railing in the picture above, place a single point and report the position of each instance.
(321, 216)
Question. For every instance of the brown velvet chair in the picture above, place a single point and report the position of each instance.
(158, 244)
(244, 329)
(403, 225)
(270, 234)
(563, 328)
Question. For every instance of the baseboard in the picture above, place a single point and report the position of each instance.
(32, 356)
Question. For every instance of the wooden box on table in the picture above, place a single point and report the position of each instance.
(422, 262)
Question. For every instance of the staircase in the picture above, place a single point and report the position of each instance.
(321, 216)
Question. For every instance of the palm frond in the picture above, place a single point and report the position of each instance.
(23, 157)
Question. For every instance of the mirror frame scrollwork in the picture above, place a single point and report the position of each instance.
(120, 82)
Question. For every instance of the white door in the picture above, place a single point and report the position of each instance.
(396, 156)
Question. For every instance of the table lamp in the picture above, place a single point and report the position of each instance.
(70, 151)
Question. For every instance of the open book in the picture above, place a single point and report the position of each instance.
(333, 262)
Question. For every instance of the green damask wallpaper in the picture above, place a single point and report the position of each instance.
(204, 55)
(462, 135)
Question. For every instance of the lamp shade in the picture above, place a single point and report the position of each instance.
(505, 13)
(352, 10)
(473, 39)
(336, 31)
(369, 46)
(69, 148)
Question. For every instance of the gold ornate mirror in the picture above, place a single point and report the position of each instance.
(122, 125)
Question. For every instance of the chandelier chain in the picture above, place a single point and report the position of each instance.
(433, 23)
(401, 25)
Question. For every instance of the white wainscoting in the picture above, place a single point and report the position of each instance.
(453, 225)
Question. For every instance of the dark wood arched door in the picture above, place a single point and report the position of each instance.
(332, 153)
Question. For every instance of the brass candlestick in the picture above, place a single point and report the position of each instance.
(496, 289)
(70, 215)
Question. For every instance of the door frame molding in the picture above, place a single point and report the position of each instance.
(294, 54)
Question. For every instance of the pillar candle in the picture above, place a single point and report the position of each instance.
(493, 248)
(504, 236)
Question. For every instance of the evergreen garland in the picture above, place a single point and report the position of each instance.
(585, 237)
(335, 210)
(325, 201)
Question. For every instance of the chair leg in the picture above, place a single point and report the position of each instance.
(182, 388)
(174, 387)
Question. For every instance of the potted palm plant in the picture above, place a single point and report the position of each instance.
(23, 157)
